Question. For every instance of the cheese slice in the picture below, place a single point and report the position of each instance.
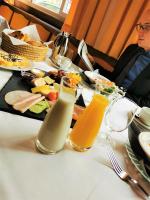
(16, 95)
(24, 106)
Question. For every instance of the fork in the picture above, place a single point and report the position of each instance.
(123, 174)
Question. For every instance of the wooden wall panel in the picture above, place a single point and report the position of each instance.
(97, 21)
(113, 19)
(108, 25)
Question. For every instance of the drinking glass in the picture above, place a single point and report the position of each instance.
(119, 115)
(87, 126)
(63, 62)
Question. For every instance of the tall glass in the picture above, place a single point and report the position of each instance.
(55, 128)
(120, 114)
(87, 126)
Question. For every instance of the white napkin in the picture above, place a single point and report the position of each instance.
(31, 30)
(3, 24)
(87, 95)
(83, 53)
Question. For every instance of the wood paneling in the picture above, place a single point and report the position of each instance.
(108, 25)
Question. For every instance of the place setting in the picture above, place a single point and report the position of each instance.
(118, 122)
(139, 138)
(74, 100)
(38, 86)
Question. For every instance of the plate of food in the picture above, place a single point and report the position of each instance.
(101, 84)
(93, 76)
(14, 62)
(33, 93)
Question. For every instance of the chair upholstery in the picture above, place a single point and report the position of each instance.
(18, 21)
(6, 12)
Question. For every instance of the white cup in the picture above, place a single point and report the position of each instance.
(144, 115)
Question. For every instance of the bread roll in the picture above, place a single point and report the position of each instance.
(25, 38)
(35, 43)
(17, 34)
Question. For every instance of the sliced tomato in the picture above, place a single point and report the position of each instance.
(52, 96)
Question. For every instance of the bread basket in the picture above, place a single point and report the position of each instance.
(27, 50)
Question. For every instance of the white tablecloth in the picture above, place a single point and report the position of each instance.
(25, 174)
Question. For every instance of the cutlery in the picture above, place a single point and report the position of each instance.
(123, 174)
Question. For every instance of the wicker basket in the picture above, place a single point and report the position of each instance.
(28, 51)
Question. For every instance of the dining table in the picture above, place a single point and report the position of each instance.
(27, 174)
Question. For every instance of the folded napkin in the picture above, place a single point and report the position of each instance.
(31, 30)
(80, 101)
(3, 24)
(87, 95)
(83, 53)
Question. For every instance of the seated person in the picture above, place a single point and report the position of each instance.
(132, 70)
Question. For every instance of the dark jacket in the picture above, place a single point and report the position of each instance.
(139, 91)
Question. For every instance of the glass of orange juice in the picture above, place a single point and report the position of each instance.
(87, 126)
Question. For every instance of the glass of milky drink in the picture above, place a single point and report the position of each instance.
(55, 128)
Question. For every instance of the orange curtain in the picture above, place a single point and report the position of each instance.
(67, 26)
(106, 25)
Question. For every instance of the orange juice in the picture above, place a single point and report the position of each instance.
(87, 126)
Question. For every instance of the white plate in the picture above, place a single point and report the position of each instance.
(17, 68)
(94, 76)
(137, 163)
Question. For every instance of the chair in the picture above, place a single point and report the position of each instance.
(18, 21)
(6, 12)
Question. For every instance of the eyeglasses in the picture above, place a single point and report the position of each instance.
(143, 27)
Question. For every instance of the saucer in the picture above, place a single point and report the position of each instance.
(137, 163)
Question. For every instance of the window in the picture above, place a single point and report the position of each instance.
(56, 8)
(60, 7)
